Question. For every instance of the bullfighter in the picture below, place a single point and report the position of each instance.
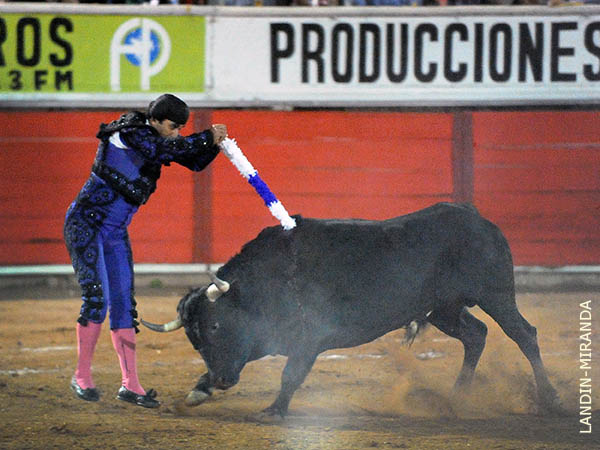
(124, 175)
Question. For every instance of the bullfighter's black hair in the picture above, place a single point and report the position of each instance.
(167, 106)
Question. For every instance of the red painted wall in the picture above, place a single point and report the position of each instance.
(330, 164)
(536, 174)
(45, 157)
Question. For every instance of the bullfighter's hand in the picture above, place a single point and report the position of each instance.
(219, 132)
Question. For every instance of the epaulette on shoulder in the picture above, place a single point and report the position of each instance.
(127, 120)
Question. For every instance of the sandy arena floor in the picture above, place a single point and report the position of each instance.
(379, 395)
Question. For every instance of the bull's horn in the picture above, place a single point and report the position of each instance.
(163, 328)
(222, 285)
(217, 288)
(213, 293)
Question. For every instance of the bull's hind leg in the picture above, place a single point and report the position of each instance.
(462, 325)
(503, 309)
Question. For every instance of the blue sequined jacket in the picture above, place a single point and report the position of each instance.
(131, 154)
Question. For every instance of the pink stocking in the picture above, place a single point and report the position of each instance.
(124, 342)
(86, 342)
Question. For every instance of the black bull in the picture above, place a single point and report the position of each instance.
(340, 283)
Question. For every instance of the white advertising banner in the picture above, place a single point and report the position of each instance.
(423, 60)
(82, 55)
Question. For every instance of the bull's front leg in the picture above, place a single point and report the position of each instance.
(294, 373)
(201, 391)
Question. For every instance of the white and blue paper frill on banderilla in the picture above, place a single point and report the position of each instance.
(237, 158)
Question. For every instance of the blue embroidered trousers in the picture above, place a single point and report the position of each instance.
(96, 236)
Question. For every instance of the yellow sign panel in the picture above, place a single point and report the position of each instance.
(48, 53)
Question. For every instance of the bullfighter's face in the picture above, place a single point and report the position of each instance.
(219, 332)
(166, 128)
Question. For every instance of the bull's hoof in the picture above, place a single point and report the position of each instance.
(552, 408)
(549, 404)
(269, 415)
(194, 398)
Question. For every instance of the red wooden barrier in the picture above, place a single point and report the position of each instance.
(45, 157)
(533, 173)
(330, 164)
(537, 176)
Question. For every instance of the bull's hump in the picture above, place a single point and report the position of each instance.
(428, 213)
(348, 222)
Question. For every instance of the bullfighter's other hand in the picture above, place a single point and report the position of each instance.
(219, 132)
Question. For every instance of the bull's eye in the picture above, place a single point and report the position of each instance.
(215, 327)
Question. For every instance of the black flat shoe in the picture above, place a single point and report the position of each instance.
(147, 401)
(89, 394)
